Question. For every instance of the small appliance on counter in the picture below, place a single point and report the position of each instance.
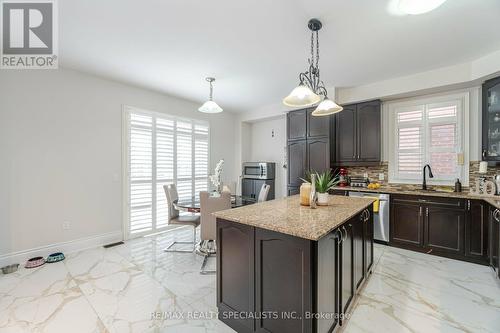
(359, 182)
(255, 174)
(343, 177)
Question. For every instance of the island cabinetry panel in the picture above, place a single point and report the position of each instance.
(298, 285)
(283, 273)
(235, 273)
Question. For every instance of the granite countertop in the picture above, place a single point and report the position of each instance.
(289, 217)
(408, 191)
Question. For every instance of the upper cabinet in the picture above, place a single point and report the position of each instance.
(357, 138)
(296, 125)
(491, 120)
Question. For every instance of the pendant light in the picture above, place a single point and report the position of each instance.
(311, 90)
(210, 106)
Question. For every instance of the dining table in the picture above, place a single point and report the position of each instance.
(192, 205)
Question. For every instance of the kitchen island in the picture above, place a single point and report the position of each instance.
(282, 267)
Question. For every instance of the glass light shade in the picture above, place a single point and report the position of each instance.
(416, 7)
(327, 107)
(210, 107)
(301, 96)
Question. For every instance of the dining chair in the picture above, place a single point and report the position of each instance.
(175, 219)
(264, 191)
(209, 205)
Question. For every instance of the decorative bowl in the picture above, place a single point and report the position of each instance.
(10, 269)
(35, 262)
(55, 257)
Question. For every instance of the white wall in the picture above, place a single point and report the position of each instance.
(60, 148)
(267, 147)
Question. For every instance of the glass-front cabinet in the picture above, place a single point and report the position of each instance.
(491, 120)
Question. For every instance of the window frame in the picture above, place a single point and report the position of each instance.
(127, 110)
(462, 100)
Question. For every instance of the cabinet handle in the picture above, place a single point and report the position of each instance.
(367, 215)
(484, 153)
(345, 234)
(420, 211)
(427, 212)
(468, 205)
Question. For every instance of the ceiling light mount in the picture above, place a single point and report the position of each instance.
(314, 24)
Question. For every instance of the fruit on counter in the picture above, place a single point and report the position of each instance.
(373, 186)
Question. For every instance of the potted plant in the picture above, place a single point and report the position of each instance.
(325, 181)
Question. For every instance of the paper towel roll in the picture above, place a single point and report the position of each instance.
(483, 167)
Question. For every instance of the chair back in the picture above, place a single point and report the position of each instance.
(264, 191)
(209, 205)
(172, 195)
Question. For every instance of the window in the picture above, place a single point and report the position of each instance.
(161, 150)
(427, 132)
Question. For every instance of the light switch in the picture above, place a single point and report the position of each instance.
(381, 176)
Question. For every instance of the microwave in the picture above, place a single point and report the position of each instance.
(258, 170)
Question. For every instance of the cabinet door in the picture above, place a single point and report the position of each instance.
(297, 162)
(491, 127)
(476, 230)
(293, 190)
(318, 154)
(297, 124)
(346, 263)
(406, 224)
(247, 188)
(358, 264)
(345, 131)
(317, 126)
(444, 229)
(368, 132)
(283, 281)
(494, 241)
(368, 242)
(327, 294)
(235, 273)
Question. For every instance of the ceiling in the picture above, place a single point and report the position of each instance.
(256, 49)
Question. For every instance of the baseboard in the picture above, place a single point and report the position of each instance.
(20, 257)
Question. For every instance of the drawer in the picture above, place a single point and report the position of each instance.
(456, 203)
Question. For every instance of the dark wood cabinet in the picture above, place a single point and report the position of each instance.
(368, 136)
(293, 190)
(297, 162)
(296, 125)
(476, 230)
(262, 271)
(444, 230)
(358, 134)
(406, 223)
(318, 154)
(345, 131)
(494, 243)
(368, 243)
(347, 287)
(235, 272)
(250, 188)
(308, 145)
(317, 127)
(275, 289)
(491, 127)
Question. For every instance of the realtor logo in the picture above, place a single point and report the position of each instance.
(28, 34)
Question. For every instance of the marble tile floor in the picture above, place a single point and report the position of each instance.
(120, 289)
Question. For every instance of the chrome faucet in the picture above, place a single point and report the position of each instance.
(424, 183)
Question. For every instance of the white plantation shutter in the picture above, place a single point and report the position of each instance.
(427, 134)
(163, 150)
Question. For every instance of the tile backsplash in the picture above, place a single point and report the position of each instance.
(374, 171)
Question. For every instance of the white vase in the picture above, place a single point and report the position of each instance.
(323, 199)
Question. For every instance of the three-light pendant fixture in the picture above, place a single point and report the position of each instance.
(210, 106)
(311, 90)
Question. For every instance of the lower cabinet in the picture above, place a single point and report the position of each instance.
(286, 282)
(450, 227)
(444, 230)
(494, 239)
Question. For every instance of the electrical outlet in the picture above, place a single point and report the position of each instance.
(381, 176)
(365, 175)
(66, 225)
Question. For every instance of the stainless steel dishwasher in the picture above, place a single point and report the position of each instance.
(380, 218)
